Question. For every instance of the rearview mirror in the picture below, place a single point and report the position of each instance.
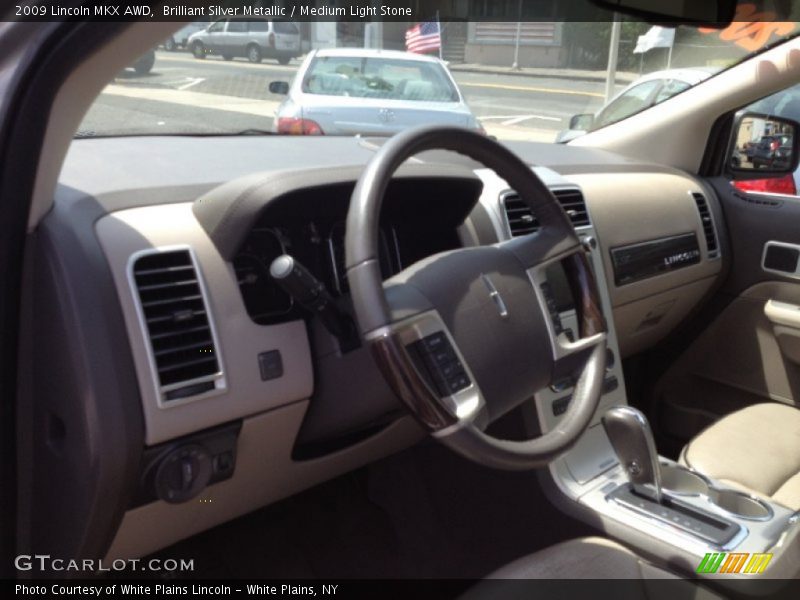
(278, 87)
(581, 122)
(763, 145)
(717, 14)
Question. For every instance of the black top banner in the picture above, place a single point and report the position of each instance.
(308, 10)
(339, 10)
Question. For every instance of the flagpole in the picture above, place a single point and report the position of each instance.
(613, 53)
(441, 37)
(515, 64)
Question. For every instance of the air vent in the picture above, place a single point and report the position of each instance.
(708, 225)
(521, 220)
(177, 322)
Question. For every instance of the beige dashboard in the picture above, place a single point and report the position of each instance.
(636, 207)
(124, 234)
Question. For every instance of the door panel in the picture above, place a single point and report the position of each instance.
(744, 355)
(216, 36)
(753, 220)
(236, 37)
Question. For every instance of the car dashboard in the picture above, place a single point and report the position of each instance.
(210, 392)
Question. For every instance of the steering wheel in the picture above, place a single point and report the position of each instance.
(464, 336)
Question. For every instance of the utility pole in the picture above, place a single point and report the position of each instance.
(515, 64)
(373, 31)
(613, 54)
(441, 36)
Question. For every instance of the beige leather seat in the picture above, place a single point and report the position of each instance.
(582, 558)
(756, 449)
(589, 558)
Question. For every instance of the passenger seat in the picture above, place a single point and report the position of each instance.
(756, 449)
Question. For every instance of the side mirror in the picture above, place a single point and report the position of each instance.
(763, 146)
(278, 87)
(581, 122)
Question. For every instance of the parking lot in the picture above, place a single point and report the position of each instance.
(179, 92)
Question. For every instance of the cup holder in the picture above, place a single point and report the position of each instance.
(682, 481)
(741, 504)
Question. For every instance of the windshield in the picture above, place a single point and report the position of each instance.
(529, 79)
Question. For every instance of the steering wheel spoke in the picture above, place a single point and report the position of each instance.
(591, 323)
(420, 359)
(542, 247)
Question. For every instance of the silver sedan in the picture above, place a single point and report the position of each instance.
(349, 91)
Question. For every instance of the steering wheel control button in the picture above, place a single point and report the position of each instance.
(610, 384)
(452, 369)
(563, 384)
(610, 359)
(552, 308)
(442, 356)
(270, 364)
(561, 405)
(436, 341)
(439, 361)
(458, 382)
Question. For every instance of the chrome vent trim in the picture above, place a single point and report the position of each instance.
(519, 220)
(709, 227)
(182, 345)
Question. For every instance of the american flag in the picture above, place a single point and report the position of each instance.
(424, 37)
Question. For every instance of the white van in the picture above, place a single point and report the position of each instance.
(252, 38)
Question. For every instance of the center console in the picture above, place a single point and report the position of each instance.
(695, 525)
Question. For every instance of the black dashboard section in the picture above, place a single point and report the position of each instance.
(179, 470)
(229, 212)
(420, 217)
(654, 257)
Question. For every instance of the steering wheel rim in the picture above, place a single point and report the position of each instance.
(400, 319)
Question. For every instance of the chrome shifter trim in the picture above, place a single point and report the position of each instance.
(680, 532)
(620, 420)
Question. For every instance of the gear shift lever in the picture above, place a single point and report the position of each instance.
(632, 439)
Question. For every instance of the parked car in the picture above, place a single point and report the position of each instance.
(771, 149)
(643, 93)
(351, 91)
(749, 149)
(180, 39)
(254, 39)
(773, 152)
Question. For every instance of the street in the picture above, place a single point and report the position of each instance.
(183, 94)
